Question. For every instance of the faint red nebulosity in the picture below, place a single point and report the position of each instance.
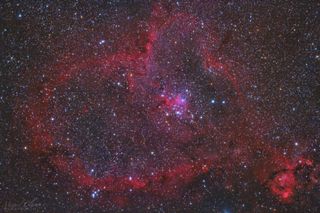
(138, 80)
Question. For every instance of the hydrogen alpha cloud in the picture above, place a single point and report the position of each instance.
(160, 106)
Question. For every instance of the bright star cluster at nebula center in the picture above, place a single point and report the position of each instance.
(160, 106)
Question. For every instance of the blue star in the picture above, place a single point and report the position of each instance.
(95, 194)
(102, 41)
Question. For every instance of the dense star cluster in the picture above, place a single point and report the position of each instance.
(160, 106)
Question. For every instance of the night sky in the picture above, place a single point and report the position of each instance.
(160, 106)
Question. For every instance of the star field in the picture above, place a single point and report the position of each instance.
(160, 106)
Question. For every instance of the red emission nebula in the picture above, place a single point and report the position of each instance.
(144, 124)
